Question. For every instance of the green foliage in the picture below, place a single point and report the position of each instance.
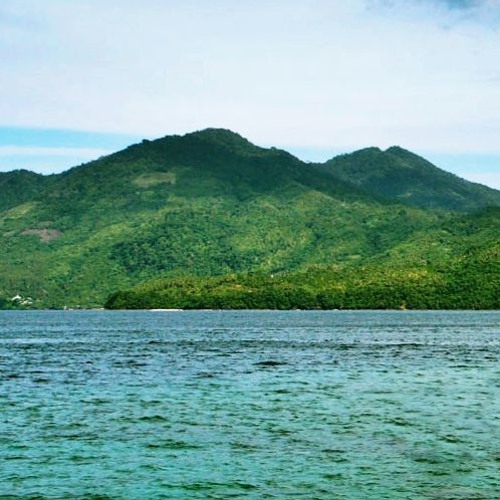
(471, 281)
(402, 175)
(19, 186)
(211, 204)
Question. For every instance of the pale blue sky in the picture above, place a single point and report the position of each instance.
(83, 78)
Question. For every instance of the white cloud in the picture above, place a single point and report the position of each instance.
(315, 73)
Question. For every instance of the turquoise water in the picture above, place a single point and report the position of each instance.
(312, 405)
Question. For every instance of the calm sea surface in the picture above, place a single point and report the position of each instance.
(312, 405)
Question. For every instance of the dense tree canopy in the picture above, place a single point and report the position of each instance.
(210, 205)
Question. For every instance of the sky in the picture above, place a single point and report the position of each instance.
(83, 78)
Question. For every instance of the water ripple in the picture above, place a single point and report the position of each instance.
(210, 404)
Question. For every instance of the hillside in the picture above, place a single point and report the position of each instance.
(400, 175)
(206, 204)
(453, 266)
(19, 186)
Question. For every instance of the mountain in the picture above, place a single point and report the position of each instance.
(455, 265)
(205, 204)
(19, 186)
(400, 175)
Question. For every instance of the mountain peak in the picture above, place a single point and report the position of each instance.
(405, 153)
(397, 149)
(224, 137)
(399, 174)
(215, 132)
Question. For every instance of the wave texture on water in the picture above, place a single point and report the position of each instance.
(250, 404)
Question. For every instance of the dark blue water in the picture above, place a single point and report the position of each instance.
(312, 405)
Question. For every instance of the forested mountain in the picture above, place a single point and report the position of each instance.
(19, 186)
(210, 204)
(401, 175)
(454, 265)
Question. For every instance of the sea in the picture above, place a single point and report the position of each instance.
(249, 404)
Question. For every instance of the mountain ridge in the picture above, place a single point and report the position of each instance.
(394, 173)
(206, 204)
(399, 174)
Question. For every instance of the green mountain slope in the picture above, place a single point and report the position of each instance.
(205, 204)
(19, 186)
(401, 175)
(455, 265)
